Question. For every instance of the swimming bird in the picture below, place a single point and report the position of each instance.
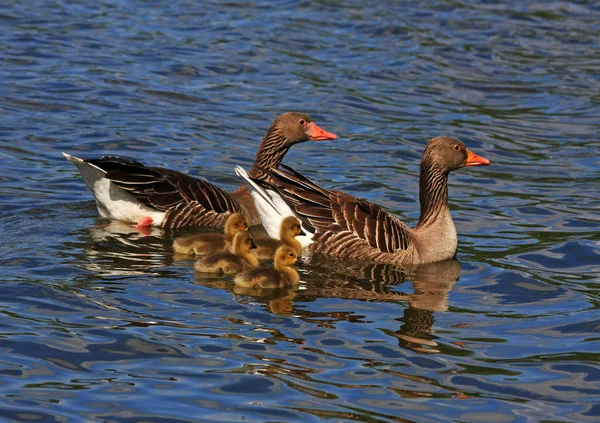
(206, 243)
(289, 229)
(127, 190)
(342, 225)
(238, 259)
(282, 274)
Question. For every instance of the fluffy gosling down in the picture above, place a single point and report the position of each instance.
(290, 228)
(238, 259)
(207, 243)
(268, 277)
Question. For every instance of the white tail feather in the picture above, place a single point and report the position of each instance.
(254, 188)
(271, 208)
(112, 201)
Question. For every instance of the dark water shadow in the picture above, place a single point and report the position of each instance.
(324, 277)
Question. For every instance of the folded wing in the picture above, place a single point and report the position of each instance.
(185, 198)
(334, 215)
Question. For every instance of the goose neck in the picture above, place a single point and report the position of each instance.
(433, 193)
(270, 153)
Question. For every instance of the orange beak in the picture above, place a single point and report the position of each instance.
(317, 134)
(475, 160)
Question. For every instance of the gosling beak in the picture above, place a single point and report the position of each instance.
(315, 133)
(475, 160)
(302, 233)
(252, 245)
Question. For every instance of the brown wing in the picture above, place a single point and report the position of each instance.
(330, 211)
(166, 190)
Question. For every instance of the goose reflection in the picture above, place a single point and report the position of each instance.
(322, 277)
(431, 285)
(431, 282)
(116, 249)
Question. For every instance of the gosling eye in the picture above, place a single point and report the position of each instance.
(301, 121)
(291, 254)
(456, 147)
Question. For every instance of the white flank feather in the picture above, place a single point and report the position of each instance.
(112, 201)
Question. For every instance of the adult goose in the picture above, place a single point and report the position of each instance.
(129, 191)
(345, 226)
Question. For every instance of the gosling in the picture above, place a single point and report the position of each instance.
(267, 277)
(290, 228)
(207, 243)
(238, 259)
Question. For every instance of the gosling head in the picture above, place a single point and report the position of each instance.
(291, 225)
(285, 256)
(235, 223)
(243, 242)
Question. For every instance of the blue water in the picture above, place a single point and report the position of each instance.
(100, 323)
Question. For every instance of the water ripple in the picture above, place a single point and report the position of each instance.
(101, 323)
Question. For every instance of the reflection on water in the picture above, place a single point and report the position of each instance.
(373, 282)
(138, 322)
(101, 323)
(430, 284)
(118, 249)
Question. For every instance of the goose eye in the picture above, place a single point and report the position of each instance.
(301, 121)
(457, 147)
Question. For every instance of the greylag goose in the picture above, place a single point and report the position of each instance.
(282, 274)
(129, 191)
(206, 243)
(238, 259)
(342, 225)
(290, 228)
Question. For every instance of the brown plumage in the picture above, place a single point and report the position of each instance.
(238, 259)
(207, 243)
(173, 199)
(282, 274)
(290, 229)
(346, 226)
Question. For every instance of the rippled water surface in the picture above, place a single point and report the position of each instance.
(100, 323)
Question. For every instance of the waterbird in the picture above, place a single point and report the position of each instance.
(339, 224)
(127, 190)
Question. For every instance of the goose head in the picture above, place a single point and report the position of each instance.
(448, 154)
(298, 127)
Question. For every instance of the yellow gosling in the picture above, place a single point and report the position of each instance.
(290, 228)
(268, 277)
(207, 243)
(238, 259)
